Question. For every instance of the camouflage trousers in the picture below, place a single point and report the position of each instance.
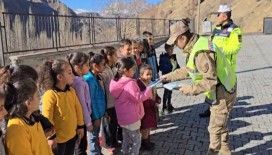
(218, 126)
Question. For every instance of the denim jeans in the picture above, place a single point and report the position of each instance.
(153, 63)
(93, 141)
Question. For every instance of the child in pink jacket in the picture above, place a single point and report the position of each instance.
(129, 104)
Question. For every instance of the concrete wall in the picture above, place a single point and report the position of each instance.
(36, 59)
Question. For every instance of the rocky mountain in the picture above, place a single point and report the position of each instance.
(248, 14)
(42, 30)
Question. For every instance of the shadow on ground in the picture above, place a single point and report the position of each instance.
(183, 132)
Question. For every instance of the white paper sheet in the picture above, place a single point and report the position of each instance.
(173, 85)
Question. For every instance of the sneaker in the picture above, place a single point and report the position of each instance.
(162, 113)
(170, 108)
(164, 108)
(147, 146)
(212, 152)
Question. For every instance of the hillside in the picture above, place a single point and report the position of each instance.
(248, 14)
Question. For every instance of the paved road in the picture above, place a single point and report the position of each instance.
(183, 132)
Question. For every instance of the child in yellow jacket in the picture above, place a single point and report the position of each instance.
(24, 134)
(60, 105)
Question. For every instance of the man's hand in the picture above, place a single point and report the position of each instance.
(163, 78)
(52, 143)
(186, 89)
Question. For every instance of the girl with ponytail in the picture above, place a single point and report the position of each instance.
(129, 104)
(80, 65)
(98, 99)
(61, 105)
(110, 55)
(24, 100)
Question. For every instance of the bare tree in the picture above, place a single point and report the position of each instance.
(126, 8)
(115, 8)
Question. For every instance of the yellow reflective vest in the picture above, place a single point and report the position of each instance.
(225, 73)
(229, 39)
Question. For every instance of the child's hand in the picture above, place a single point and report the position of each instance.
(80, 133)
(49, 132)
(52, 143)
(89, 128)
(97, 123)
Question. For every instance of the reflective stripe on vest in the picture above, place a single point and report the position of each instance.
(225, 32)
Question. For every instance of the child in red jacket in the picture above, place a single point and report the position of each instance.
(149, 121)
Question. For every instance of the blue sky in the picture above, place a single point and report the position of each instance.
(92, 5)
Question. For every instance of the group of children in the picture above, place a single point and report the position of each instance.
(77, 96)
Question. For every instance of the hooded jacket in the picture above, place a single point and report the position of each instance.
(128, 100)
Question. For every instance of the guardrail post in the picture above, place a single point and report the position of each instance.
(164, 27)
(52, 30)
(2, 56)
(58, 28)
(169, 25)
(56, 31)
(5, 33)
(118, 29)
(93, 30)
(152, 26)
(138, 25)
(90, 30)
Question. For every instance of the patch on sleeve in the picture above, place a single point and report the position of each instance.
(205, 67)
(202, 63)
(240, 38)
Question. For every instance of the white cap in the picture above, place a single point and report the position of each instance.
(224, 8)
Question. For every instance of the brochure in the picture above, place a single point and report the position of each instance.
(173, 85)
(155, 83)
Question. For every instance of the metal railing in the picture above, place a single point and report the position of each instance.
(34, 32)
